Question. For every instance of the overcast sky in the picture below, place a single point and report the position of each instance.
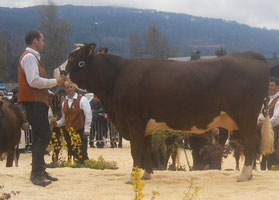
(256, 13)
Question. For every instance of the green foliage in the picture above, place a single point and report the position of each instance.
(162, 139)
(164, 144)
(100, 163)
(158, 140)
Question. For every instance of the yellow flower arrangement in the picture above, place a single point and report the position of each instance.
(75, 143)
(138, 184)
(58, 144)
(192, 193)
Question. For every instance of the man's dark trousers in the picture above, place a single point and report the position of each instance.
(38, 117)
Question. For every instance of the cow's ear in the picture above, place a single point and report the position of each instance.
(91, 48)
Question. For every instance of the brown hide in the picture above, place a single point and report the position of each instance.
(181, 94)
(10, 124)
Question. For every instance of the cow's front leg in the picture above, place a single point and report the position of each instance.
(148, 168)
(137, 150)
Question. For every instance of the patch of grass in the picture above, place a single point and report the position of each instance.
(100, 163)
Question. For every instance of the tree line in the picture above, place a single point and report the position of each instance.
(57, 30)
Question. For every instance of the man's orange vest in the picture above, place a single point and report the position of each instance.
(27, 93)
(74, 116)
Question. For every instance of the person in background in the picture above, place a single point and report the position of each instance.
(273, 107)
(100, 128)
(76, 114)
(33, 93)
(15, 94)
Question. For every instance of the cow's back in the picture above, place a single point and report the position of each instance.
(182, 93)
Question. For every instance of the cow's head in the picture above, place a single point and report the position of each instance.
(79, 58)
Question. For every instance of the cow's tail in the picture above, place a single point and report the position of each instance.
(267, 133)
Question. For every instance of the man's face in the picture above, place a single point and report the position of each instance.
(39, 43)
(69, 89)
(273, 88)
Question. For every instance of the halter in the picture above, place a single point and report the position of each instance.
(81, 64)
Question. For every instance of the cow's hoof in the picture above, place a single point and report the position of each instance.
(244, 179)
(246, 174)
(146, 176)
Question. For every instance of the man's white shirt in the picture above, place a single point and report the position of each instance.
(84, 106)
(275, 118)
(29, 64)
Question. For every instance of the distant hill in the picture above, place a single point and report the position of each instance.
(112, 26)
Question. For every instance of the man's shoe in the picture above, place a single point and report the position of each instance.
(50, 177)
(39, 179)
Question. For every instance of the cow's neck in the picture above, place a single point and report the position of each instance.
(103, 74)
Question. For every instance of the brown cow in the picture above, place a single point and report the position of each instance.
(11, 121)
(144, 95)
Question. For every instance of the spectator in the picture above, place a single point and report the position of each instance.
(76, 114)
(273, 107)
(15, 94)
(99, 123)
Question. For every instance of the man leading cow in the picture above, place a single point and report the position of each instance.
(33, 94)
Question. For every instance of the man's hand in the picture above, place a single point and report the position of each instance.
(60, 80)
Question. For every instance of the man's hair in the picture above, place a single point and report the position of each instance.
(31, 35)
(274, 79)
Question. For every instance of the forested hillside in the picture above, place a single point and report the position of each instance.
(112, 27)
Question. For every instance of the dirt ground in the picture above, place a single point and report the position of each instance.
(84, 184)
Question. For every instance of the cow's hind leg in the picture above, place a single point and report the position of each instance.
(10, 158)
(250, 140)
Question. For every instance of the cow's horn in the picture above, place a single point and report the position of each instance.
(79, 45)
